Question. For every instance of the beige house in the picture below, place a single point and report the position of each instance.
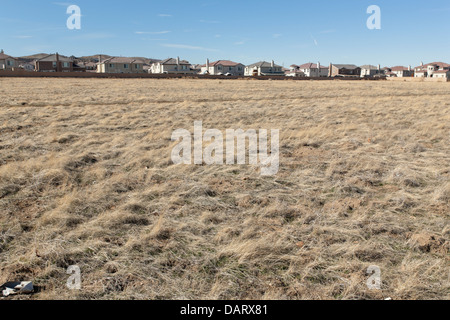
(120, 65)
(370, 70)
(223, 67)
(7, 62)
(264, 68)
(172, 66)
(344, 70)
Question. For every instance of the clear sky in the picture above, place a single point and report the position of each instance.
(247, 31)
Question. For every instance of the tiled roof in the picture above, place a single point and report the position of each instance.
(441, 65)
(52, 58)
(369, 67)
(442, 71)
(310, 65)
(225, 63)
(345, 66)
(122, 60)
(263, 64)
(5, 56)
(399, 68)
(173, 61)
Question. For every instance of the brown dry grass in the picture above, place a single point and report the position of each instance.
(86, 179)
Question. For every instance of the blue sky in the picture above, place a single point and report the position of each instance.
(247, 31)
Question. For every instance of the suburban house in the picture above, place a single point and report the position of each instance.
(120, 65)
(147, 68)
(7, 62)
(172, 66)
(264, 68)
(442, 74)
(390, 74)
(402, 72)
(428, 70)
(294, 71)
(88, 66)
(197, 68)
(223, 67)
(344, 70)
(28, 66)
(54, 63)
(420, 73)
(308, 70)
(370, 71)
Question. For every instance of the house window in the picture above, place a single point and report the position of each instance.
(240, 68)
(219, 68)
(230, 68)
(184, 67)
(54, 64)
(66, 65)
(126, 66)
(136, 66)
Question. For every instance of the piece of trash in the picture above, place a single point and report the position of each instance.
(16, 287)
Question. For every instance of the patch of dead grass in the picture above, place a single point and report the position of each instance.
(86, 179)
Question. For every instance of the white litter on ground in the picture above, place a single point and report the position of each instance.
(11, 288)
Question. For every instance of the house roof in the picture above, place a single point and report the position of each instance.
(442, 71)
(369, 66)
(399, 68)
(32, 63)
(225, 63)
(309, 65)
(5, 56)
(263, 64)
(441, 65)
(52, 58)
(122, 60)
(345, 66)
(174, 61)
(87, 64)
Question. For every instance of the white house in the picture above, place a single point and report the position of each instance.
(223, 67)
(27, 66)
(442, 74)
(428, 70)
(309, 70)
(172, 66)
(402, 72)
(294, 71)
(264, 68)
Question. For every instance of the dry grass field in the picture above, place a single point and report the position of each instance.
(86, 179)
